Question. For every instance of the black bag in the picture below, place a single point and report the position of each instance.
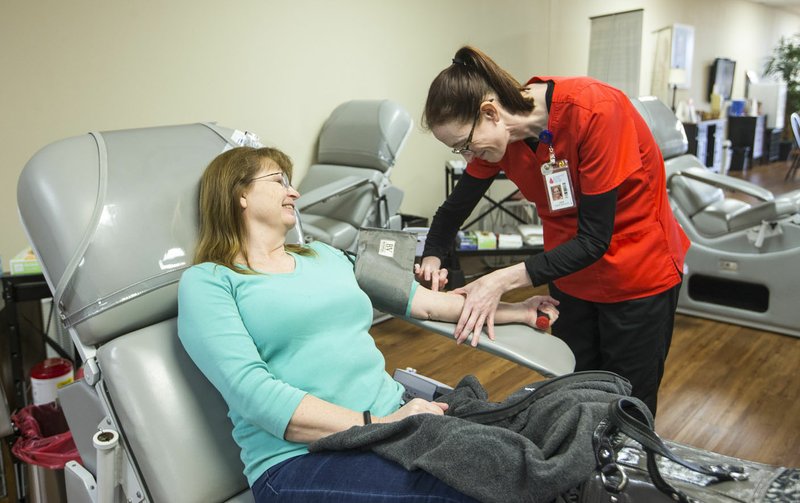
(635, 465)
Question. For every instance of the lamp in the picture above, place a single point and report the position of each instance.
(677, 77)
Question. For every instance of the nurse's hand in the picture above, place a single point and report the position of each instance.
(430, 272)
(480, 304)
(482, 297)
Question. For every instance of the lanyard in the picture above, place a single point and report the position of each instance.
(555, 175)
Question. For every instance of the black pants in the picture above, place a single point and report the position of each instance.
(630, 338)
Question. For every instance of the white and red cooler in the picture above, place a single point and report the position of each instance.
(47, 376)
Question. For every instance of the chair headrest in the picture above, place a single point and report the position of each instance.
(368, 133)
(667, 129)
(112, 218)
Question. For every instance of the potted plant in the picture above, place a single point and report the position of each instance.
(785, 63)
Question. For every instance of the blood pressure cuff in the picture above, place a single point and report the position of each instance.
(384, 267)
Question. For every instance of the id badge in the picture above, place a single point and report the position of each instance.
(558, 185)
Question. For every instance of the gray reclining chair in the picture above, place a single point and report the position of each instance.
(741, 265)
(349, 188)
(112, 218)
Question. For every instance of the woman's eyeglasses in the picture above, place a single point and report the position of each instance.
(283, 180)
(465, 149)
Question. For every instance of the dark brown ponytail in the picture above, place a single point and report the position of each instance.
(457, 92)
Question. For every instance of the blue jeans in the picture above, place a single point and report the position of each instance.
(350, 476)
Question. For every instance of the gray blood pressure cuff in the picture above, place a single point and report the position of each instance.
(384, 267)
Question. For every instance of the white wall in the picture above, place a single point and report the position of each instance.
(741, 30)
(274, 67)
(279, 67)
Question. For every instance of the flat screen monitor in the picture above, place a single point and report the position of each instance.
(722, 77)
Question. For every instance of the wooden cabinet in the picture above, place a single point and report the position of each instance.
(706, 141)
(746, 133)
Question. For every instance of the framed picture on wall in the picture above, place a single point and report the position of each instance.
(682, 54)
(721, 78)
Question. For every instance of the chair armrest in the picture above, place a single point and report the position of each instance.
(333, 189)
(788, 201)
(726, 182)
(537, 350)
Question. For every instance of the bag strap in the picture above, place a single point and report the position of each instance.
(643, 433)
(537, 391)
(623, 414)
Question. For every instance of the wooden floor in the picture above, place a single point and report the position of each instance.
(726, 388)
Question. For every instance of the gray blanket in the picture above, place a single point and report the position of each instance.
(532, 446)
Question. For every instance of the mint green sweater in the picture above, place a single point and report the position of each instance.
(266, 340)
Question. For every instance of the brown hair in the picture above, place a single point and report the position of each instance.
(458, 91)
(223, 234)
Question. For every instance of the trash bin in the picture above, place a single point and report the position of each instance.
(46, 444)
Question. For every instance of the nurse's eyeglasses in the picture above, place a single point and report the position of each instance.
(465, 149)
(283, 180)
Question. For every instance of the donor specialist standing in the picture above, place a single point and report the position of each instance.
(580, 151)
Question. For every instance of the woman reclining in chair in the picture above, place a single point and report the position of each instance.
(281, 331)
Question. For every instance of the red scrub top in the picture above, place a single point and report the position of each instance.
(608, 145)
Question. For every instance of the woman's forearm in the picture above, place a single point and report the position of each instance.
(444, 306)
(513, 313)
(315, 418)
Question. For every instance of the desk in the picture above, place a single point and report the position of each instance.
(525, 250)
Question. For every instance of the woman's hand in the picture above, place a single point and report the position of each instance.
(430, 272)
(412, 408)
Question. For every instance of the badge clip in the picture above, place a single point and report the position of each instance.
(546, 137)
(555, 174)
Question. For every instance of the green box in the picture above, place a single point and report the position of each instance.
(25, 262)
(486, 240)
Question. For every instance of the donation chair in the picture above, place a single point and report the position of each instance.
(112, 219)
(349, 187)
(741, 266)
